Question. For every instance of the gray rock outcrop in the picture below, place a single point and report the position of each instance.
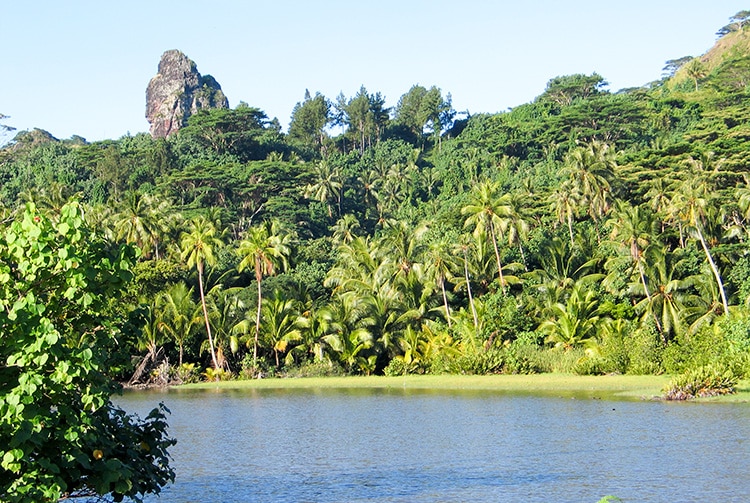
(177, 92)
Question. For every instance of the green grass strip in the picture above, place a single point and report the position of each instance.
(620, 387)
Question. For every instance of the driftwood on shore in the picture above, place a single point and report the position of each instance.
(153, 371)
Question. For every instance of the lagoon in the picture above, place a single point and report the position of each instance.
(407, 445)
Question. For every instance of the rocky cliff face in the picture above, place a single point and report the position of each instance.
(177, 92)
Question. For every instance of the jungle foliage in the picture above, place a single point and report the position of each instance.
(588, 230)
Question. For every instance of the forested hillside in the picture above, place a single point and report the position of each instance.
(588, 231)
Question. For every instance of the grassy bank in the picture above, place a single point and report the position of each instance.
(610, 386)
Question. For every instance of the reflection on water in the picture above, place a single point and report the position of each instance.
(400, 446)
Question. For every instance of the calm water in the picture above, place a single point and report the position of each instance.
(414, 446)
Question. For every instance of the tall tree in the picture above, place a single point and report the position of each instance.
(143, 220)
(566, 89)
(421, 108)
(438, 265)
(266, 248)
(519, 226)
(359, 118)
(738, 22)
(326, 186)
(365, 115)
(310, 119)
(633, 228)
(178, 318)
(408, 111)
(62, 289)
(463, 248)
(488, 211)
(693, 203)
(696, 70)
(564, 201)
(198, 245)
(589, 168)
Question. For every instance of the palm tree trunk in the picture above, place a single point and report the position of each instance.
(468, 289)
(445, 301)
(205, 316)
(497, 257)
(715, 271)
(523, 255)
(258, 278)
(570, 230)
(648, 296)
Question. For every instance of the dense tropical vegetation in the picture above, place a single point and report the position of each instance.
(588, 231)
(62, 332)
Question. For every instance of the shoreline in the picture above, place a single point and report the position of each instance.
(616, 387)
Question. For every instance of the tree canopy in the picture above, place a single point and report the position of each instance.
(62, 332)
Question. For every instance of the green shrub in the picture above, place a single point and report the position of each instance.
(63, 321)
(645, 352)
(439, 364)
(212, 374)
(590, 365)
(478, 363)
(398, 367)
(725, 344)
(185, 373)
(256, 369)
(615, 346)
(707, 380)
(521, 359)
(557, 360)
(316, 369)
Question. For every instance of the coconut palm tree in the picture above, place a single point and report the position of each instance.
(564, 202)
(326, 186)
(143, 220)
(178, 318)
(696, 70)
(349, 330)
(562, 266)
(315, 325)
(345, 229)
(575, 323)
(633, 228)
(463, 248)
(659, 197)
(488, 212)
(590, 168)
(402, 244)
(669, 293)
(198, 246)
(438, 262)
(358, 267)
(151, 337)
(266, 248)
(519, 226)
(281, 323)
(692, 202)
(706, 307)
(227, 311)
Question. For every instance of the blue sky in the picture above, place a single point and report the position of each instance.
(82, 67)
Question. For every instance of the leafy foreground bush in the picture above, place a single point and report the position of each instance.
(61, 288)
(707, 380)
